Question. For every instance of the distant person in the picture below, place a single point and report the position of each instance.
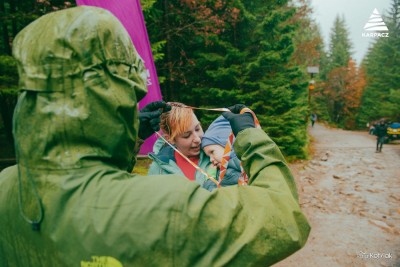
(213, 144)
(371, 128)
(380, 132)
(313, 119)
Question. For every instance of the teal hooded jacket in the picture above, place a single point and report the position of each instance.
(163, 162)
(71, 200)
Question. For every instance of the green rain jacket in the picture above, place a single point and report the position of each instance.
(75, 127)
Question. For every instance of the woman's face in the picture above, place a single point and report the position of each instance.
(189, 142)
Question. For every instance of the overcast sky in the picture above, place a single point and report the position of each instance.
(356, 13)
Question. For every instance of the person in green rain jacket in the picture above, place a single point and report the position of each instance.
(71, 200)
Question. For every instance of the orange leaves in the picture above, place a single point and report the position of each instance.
(211, 16)
(355, 84)
(235, 14)
(344, 87)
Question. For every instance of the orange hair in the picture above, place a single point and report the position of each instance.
(176, 121)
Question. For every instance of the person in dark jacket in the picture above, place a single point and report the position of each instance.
(213, 144)
(72, 200)
(313, 119)
(380, 132)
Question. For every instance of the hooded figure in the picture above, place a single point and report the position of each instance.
(71, 200)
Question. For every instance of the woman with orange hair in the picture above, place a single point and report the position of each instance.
(182, 129)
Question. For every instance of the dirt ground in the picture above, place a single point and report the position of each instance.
(351, 196)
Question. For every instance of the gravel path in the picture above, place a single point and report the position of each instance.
(351, 196)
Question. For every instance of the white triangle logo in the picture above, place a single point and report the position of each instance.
(375, 22)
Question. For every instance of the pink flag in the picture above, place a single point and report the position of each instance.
(129, 12)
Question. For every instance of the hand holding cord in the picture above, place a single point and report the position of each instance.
(149, 118)
(239, 121)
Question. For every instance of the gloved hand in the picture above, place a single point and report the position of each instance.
(149, 118)
(238, 121)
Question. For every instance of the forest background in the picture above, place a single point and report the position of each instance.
(216, 53)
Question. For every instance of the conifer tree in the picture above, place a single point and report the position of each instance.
(340, 46)
(251, 65)
(186, 27)
(381, 98)
(216, 60)
(336, 86)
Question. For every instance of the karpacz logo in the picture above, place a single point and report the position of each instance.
(375, 26)
(375, 34)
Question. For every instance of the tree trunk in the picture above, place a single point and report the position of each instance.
(169, 94)
(5, 35)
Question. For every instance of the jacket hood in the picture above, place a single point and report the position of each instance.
(80, 79)
(217, 133)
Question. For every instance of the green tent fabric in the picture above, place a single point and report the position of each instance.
(75, 126)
